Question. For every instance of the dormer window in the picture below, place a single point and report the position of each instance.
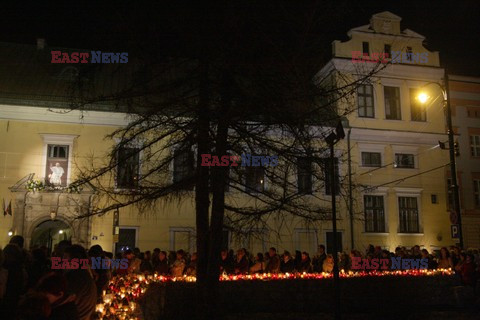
(365, 48)
(409, 53)
(388, 50)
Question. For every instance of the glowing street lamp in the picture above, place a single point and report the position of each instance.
(422, 98)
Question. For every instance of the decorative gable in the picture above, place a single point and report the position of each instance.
(385, 22)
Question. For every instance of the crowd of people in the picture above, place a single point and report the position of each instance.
(31, 289)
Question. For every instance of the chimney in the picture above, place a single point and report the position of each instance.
(40, 43)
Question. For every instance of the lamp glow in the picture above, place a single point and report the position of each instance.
(422, 97)
(61, 231)
(10, 233)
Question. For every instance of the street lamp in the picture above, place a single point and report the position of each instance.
(423, 97)
(346, 124)
(331, 140)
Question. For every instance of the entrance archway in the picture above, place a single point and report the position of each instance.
(49, 233)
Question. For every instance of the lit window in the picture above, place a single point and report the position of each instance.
(371, 159)
(418, 110)
(57, 165)
(128, 167)
(404, 160)
(304, 175)
(254, 179)
(408, 215)
(392, 103)
(183, 168)
(374, 214)
(475, 145)
(366, 108)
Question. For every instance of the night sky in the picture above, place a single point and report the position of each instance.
(451, 27)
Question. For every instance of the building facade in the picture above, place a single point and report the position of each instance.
(398, 169)
(465, 101)
(398, 172)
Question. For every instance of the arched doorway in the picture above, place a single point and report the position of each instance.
(49, 233)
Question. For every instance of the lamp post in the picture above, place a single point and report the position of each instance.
(331, 140)
(346, 124)
(451, 146)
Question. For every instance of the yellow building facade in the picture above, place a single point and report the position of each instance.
(398, 172)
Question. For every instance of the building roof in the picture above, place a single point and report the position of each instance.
(27, 77)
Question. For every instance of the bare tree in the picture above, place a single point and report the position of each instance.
(239, 83)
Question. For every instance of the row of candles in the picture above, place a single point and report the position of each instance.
(121, 297)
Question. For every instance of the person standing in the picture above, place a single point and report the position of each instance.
(54, 286)
(273, 265)
(319, 258)
(80, 283)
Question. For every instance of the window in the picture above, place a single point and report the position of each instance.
(305, 240)
(388, 49)
(404, 160)
(304, 175)
(254, 179)
(408, 211)
(475, 145)
(365, 48)
(182, 238)
(127, 239)
(327, 169)
(183, 168)
(57, 165)
(392, 103)
(128, 167)
(409, 54)
(418, 110)
(473, 112)
(330, 242)
(371, 159)
(365, 101)
(374, 214)
(476, 193)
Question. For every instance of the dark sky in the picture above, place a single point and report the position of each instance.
(451, 27)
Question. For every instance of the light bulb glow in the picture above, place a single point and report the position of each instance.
(422, 97)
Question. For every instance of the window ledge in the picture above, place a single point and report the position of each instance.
(376, 233)
(411, 234)
(367, 118)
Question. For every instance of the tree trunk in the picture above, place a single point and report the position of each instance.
(202, 199)
(219, 179)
